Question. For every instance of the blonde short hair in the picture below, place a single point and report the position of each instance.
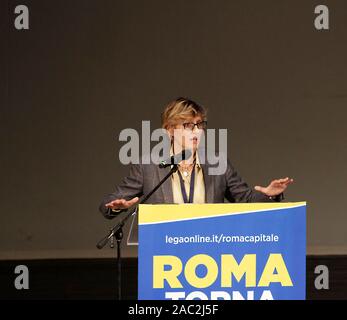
(181, 109)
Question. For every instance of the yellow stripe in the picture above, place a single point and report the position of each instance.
(149, 213)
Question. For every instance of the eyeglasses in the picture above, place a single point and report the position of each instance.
(191, 125)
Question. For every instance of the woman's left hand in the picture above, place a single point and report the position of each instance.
(276, 187)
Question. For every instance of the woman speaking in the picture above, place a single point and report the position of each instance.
(185, 121)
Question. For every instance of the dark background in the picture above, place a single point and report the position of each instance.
(87, 69)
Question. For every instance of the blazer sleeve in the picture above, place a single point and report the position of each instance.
(130, 187)
(237, 190)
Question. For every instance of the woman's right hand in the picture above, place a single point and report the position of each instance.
(120, 204)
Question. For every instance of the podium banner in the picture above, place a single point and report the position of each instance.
(250, 251)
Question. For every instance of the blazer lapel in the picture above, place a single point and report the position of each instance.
(208, 179)
(209, 184)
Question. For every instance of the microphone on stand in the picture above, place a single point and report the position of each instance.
(116, 233)
(185, 154)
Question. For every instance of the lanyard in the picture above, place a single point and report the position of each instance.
(191, 190)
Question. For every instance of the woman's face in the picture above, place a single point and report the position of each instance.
(187, 135)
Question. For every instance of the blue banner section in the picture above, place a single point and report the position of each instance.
(251, 256)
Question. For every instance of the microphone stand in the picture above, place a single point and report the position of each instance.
(117, 232)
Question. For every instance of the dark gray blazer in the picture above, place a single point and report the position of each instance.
(142, 178)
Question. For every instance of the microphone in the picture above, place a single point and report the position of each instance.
(185, 154)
